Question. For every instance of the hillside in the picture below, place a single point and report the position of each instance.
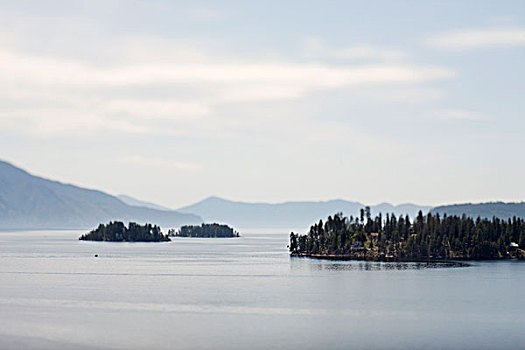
(138, 203)
(485, 210)
(287, 214)
(28, 201)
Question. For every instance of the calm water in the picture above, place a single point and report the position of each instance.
(245, 293)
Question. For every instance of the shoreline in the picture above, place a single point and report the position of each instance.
(343, 257)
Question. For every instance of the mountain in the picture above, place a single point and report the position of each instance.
(485, 210)
(287, 214)
(28, 201)
(138, 203)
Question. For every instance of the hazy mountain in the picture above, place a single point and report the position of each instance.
(486, 210)
(28, 201)
(138, 203)
(287, 214)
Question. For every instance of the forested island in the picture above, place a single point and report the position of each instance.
(118, 232)
(205, 231)
(429, 237)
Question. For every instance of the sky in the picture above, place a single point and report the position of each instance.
(268, 101)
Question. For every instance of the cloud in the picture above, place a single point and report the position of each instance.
(155, 109)
(160, 163)
(478, 39)
(178, 89)
(413, 94)
(57, 72)
(63, 121)
(367, 52)
(460, 114)
(315, 47)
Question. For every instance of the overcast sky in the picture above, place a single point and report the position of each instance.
(171, 102)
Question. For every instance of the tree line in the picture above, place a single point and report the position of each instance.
(116, 231)
(205, 230)
(429, 236)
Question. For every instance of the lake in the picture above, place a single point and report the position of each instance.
(245, 293)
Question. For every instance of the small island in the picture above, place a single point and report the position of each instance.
(118, 232)
(204, 231)
(429, 237)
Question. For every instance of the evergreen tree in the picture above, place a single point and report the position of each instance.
(428, 237)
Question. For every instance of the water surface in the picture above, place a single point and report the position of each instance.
(245, 293)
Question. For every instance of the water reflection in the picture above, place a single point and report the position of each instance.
(377, 266)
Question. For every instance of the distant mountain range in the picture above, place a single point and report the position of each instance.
(138, 203)
(287, 214)
(303, 214)
(28, 201)
(485, 210)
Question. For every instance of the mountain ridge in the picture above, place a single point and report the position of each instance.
(140, 203)
(502, 210)
(305, 213)
(28, 201)
(292, 213)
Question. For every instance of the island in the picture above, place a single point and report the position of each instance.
(204, 231)
(118, 232)
(429, 237)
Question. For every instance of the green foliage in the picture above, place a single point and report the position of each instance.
(428, 237)
(206, 231)
(118, 232)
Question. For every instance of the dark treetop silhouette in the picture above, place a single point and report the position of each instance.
(205, 231)
(396, 238)
(118, 232)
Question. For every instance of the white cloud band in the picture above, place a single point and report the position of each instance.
(478, 39)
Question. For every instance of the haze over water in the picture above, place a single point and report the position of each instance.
(244, 293)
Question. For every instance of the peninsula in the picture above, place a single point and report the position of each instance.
(205, 231)
(118, 232)
(429, 237)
